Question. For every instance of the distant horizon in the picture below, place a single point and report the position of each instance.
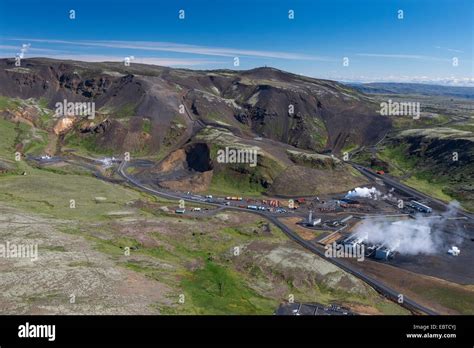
(427, 83)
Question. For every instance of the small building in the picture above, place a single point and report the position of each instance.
(349, 201)
(312, 221)
(421, 207)
(382, 253)
(315, 222)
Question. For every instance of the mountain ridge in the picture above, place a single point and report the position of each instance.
(327, 115)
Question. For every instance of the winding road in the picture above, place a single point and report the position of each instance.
(407, 190)
(377, 285)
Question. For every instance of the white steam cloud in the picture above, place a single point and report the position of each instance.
(409, 237)
(364, 192)
(24, 48)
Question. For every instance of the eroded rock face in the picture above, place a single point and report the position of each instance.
(324, 115)
(92, 127)
(198, 157)
(27, 114)
(198, 182)
(186, 169)
(194, 157)
(63, 125)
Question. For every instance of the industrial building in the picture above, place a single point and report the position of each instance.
(353, 240)
(421, 207)
(233, 198)
(382, 253)
(342, 222)
(376, 251)
(348, 201)
(311, 309)
(256, 207)
(311, 222)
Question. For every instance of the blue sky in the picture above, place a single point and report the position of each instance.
(418, 48)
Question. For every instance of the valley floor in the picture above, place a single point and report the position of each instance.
(82, 255)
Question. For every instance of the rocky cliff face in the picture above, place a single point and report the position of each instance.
(443, 148)
(443, 156)
(303, 112)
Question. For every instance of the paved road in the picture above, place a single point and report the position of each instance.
(405, 189)
(378, 286)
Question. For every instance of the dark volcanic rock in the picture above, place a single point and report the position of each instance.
(304, 112)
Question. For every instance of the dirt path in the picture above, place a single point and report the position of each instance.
(53, 145)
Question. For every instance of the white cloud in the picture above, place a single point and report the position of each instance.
(401, 56)
(446, 80)
(448, 49)
(18, 48)
(181, 48)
